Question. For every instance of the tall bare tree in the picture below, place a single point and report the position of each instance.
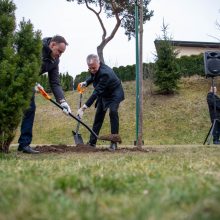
(124, 13)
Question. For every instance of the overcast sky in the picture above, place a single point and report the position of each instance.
(188, 20)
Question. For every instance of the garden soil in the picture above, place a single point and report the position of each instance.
(83, 148)
(87, 149)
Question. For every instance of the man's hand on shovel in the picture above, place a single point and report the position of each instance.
(81, 110)
(63, 105)
(66, 107)
(81, 89)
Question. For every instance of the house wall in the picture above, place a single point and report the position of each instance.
(187, 51)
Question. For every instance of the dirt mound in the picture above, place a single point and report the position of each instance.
(111, 137)
(86, 149)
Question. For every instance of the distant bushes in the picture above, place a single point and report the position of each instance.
(191, 65)
(65, 79)
(188, 66)
(125, 73)
(80, 78)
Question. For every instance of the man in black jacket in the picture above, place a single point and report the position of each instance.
(214, 110)
(108, 93)
(52, 49)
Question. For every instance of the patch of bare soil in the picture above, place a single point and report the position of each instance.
(87, 149)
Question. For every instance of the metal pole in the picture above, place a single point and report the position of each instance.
(137, 69)
(140, 128)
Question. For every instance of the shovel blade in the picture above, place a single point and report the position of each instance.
(77, 138)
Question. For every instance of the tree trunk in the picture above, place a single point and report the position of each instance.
(5, 142)
(100, 49)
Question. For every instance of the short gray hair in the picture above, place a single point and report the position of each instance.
(91, 58)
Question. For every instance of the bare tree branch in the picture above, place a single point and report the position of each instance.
(122, 10)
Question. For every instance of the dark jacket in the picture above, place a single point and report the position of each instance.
(52, 67)
(213, 101)
(107, 87)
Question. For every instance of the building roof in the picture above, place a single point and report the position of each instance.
(191, 44)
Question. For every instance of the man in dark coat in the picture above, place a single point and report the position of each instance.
(52, 49)
(214, 110)
(108, 93)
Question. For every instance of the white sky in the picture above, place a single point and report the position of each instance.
(188, 20)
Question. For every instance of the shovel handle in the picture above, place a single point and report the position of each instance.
(85, 125)
(77, 119)
(81, 89)
(80, 104)
(44, 93)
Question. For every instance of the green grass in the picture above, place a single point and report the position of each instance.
(176, 119)
(169, 183)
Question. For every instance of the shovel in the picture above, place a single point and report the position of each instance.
(39, 88)
(76, 135)
(114, 138)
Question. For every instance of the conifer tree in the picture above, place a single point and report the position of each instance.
(20, 57)
(167, 73)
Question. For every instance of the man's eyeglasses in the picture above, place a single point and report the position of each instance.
(92, 68)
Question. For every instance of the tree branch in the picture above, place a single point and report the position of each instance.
(98, 16)
(117, 25)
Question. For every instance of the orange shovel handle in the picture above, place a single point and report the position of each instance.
(43, 92)
(81, 89)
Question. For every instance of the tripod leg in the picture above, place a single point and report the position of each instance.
(211, 131)
(208, 134)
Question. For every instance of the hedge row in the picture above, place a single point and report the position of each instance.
(65, 79)
(188, 66)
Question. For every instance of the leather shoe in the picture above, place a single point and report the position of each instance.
(28, 150)
(91, 145)
(113, 146)
(216, 142)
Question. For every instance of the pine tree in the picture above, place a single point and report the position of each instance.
(20, 57)
(167, 73)
(69, 82)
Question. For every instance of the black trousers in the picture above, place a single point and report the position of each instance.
(27, 124)
(216, 131)
(99, 119)
(214, 112)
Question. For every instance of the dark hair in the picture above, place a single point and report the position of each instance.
(59, 39)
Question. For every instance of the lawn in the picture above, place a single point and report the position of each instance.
(167, 182)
